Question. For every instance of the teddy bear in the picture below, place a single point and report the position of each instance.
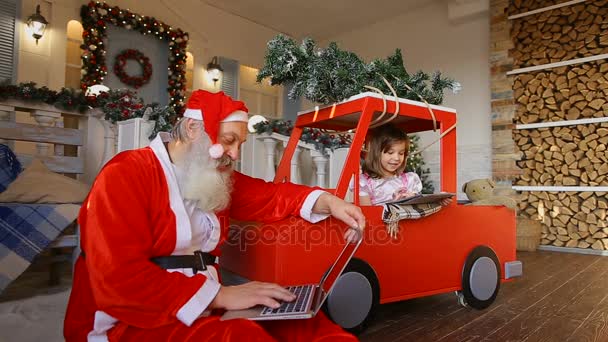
(481, 192)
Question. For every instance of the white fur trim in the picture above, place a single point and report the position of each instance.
(214, 236)
(306, 210)
(199, 302)
(237, 115)
(196, 114)
(182, 220)
(101, 324)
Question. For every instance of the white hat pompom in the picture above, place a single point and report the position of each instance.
(216, 151)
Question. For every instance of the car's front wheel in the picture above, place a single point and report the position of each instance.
(354, 297)
(480, 278)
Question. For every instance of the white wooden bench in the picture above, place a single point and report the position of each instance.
(62, 149)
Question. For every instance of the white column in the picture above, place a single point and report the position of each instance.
(295, 166)
(109, 138)
(321, 163)
(47, 119)
(59, 149)
(270, 145)
(294, 173)
(6, 113)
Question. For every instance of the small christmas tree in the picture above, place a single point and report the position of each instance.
(415, 163)
(331, 75)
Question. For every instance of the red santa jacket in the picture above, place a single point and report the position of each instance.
(126, 220)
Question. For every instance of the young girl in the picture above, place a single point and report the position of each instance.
(383, 178)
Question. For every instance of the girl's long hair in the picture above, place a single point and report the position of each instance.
(381, 139)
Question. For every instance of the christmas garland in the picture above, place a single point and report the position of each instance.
(96, 15)
(121, 62)
(117, 105)
(332, 75)
(314, 136)
(66, 99)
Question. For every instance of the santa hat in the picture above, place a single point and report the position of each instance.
(212, 109)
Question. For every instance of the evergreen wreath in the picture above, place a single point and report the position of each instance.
(95, 17)
(120, 62)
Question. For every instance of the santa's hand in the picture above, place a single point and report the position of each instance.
(352, 235)
(346, 212)
(251, 294)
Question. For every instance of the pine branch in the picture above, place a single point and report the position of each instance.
(331, 75)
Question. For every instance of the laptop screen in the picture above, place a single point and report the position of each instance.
(330, 277)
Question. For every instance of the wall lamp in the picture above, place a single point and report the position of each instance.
(36, 24)
(214, 69)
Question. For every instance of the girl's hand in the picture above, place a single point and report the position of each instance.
(445, 202)
(403, 193)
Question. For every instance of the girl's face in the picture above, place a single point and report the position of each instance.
(393, 158)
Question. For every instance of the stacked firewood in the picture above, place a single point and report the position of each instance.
(570, 219)
(522, 6)
(560, 34)
(571, 155)
(563, 156)
(565, 93)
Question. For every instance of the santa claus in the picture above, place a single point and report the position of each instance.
(151, 227)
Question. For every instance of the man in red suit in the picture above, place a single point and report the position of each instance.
(153, 214)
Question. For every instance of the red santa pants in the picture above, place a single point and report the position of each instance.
(319, 328)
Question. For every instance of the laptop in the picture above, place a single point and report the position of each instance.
(309, 297)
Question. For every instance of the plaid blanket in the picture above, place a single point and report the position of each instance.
(393, 213)
(25, 231)
(9, 167)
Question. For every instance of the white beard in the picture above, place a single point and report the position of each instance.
(201, 181)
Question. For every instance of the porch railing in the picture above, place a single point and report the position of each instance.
(261, 154)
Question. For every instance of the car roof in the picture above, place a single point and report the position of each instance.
(413, 116)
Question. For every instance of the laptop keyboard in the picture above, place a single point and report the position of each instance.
(302, 293)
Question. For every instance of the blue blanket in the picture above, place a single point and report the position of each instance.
(25, 231)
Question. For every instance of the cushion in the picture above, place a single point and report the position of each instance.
(9, 167)
(38, 184)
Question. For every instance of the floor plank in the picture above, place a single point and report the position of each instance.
(530, 293)
(442, 327)
(561, 296)
(595, 325)
(554, 330)
(543, 310)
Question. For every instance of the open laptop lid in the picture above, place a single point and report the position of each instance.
(329, 278)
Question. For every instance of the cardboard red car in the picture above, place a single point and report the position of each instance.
(465, 249)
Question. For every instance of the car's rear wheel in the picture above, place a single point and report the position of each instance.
(356, 294)
(480, 278)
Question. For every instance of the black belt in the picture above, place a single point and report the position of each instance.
(197, 262)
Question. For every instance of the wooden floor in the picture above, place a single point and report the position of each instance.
(561, 297)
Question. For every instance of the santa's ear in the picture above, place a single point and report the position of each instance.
(193, 128)
(464, 187)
